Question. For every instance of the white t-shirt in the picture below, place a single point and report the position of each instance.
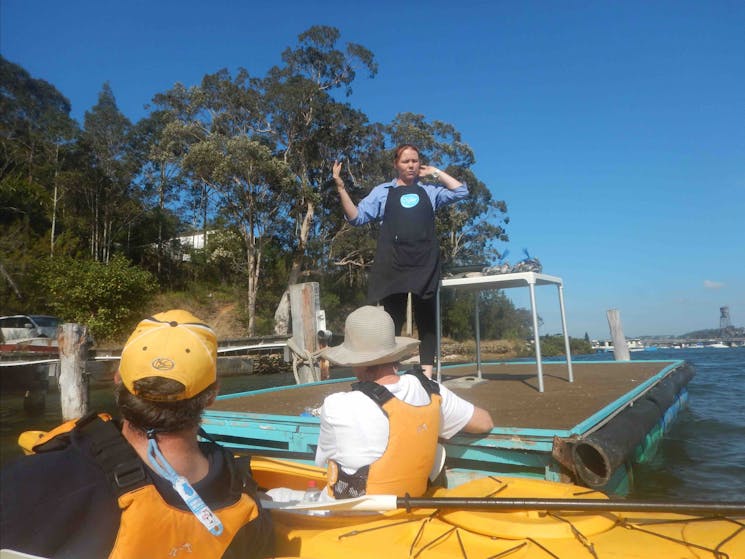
(354, 430)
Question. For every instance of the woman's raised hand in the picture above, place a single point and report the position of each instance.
(427, 170)
(335, 173)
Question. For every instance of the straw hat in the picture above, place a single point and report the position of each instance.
(369, 339)
(175, 345)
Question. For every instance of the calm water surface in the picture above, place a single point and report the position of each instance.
(701, 458)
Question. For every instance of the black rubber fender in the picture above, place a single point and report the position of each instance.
(596, 457)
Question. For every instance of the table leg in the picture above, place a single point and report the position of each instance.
(566, 335)
(536, 337)
(478, 336)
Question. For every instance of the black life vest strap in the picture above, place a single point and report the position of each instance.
(239, 466)
(113, 454)
(380, 394)
(376, 392)
(429, 385)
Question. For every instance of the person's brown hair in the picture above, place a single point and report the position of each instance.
(401, 148)
(162, 415)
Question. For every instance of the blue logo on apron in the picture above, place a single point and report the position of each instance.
(409, 200)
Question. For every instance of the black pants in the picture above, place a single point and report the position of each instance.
(425, 316)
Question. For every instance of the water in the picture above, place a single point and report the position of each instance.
(701, 458)
(14, 420)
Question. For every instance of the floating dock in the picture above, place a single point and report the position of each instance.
(590, 431)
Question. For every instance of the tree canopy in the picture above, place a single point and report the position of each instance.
(225, 183)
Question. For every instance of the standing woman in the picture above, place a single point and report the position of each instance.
(407, 259)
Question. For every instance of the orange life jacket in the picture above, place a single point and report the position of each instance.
(150, 526)
(409, 456)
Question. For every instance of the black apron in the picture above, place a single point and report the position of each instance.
(407, 258)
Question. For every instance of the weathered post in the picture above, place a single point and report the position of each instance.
(305, 308)
(324, 337)
(620, 348)
(73, 383)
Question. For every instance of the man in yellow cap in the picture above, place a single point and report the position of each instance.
(147, 487)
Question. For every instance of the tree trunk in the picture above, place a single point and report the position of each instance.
(253, 256)
(282, 314)
(54, 201)
(10, 281)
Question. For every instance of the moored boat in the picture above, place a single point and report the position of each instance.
(498, 517)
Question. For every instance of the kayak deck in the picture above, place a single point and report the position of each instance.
(477, 528)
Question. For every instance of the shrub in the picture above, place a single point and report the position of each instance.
(552, 346)
(108, 298)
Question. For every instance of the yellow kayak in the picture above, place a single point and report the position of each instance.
(493, 517)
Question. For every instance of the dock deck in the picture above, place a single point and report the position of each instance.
(590, 431)
(509, 392)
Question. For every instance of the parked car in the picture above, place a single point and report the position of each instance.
(26, 326)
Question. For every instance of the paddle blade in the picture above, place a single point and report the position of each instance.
(376, 503)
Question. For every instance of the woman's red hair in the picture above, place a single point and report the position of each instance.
(401, 148)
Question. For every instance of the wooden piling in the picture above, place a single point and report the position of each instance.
(620, 348)
(305, 306)
(73, 382)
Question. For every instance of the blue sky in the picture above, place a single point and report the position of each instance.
(615, 131)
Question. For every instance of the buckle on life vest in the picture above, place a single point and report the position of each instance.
(128, 473)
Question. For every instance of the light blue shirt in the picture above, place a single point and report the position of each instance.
(372, 206)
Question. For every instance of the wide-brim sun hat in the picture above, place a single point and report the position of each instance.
(175, 345)
(370, 339)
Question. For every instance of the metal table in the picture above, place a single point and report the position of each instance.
(479, 283)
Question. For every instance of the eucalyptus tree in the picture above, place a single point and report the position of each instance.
(306, 126)
(217, 131)
(161, 179)
(107, 135)
(35, 133)
(253, 187)
(188, 121)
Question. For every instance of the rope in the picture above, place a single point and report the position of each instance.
(301, 356)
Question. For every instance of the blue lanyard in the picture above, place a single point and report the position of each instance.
(182, 486)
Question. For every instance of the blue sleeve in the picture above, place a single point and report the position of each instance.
(444, 196)
(372, 206)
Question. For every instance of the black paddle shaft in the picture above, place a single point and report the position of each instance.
(735, 508)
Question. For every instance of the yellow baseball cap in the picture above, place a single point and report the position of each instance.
(175, 345)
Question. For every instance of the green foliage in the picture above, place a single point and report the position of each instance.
(552, 346)
(498, 316)
(108, 298)
(20, 254)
